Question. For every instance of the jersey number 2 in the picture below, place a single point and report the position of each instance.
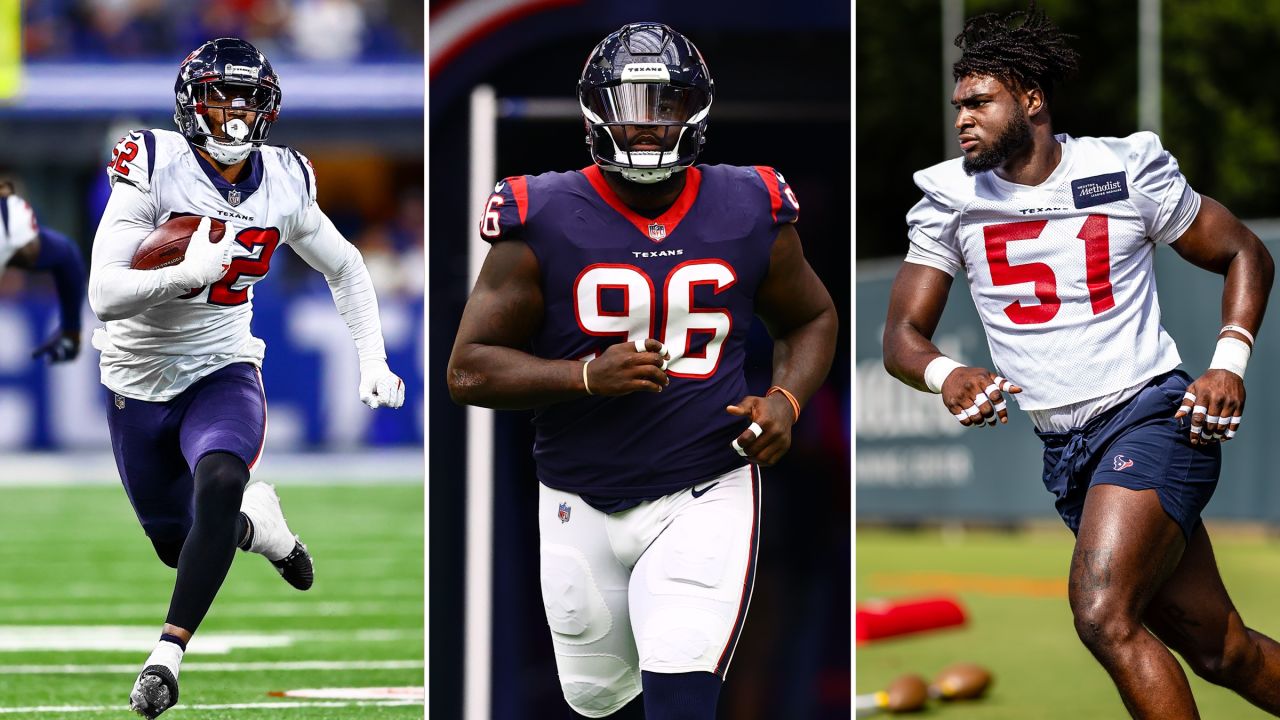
(680, 322)
(223, 292)
(1097, 261)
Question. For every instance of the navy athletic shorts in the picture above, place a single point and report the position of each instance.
(157, 444)
(1138, 445)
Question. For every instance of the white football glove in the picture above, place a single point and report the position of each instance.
(379, 387)
(205, 262)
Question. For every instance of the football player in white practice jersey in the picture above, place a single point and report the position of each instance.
(25, 245)
(186, 410)
(1056, 236)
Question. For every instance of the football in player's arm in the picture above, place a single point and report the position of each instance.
(26, 245)
(186, 406)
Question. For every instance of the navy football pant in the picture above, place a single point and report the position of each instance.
(184, 464)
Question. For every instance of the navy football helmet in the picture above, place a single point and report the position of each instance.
(233, 74)
(645, 93)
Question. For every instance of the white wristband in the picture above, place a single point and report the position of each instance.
(1231, 355)
(1236, 328)
(936, 372)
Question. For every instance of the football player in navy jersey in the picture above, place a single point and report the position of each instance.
(1132, 443)
(25, 245)
(615, 301)
(187, 411)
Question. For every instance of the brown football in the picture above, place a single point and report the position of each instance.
(961, 681)
(167, 244)
(906, 694)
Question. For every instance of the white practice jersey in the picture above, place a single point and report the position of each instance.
(176, 337)
(17, 227)
(1062, 273)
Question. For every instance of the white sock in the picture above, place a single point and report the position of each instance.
(167, 654)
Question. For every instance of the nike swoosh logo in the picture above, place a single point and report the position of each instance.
(697, 493)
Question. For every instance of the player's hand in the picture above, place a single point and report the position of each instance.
(976, 396)
(1215, 402)
(379, 387)
(205, 262)
(632, 366)
(62, 346)
(768, 437)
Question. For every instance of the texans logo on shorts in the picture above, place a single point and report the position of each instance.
(563, 514)
(1121, 462)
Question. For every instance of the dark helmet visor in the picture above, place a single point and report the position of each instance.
(643, 103)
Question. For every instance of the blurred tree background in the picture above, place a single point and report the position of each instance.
(1220, 108)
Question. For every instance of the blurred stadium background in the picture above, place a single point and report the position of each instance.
(782, 84)
(353, 94)
(930, 482)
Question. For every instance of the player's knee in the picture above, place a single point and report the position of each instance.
(576, 610)
(599, 685)
(168, 550)
(1102, 626)
(220, 479)
(1228, 664)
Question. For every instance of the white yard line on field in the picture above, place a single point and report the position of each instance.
(63, 611)
(283, 705)
(300, 665)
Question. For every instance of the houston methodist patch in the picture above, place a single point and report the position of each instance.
(1099, 189)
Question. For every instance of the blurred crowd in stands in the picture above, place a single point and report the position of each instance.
(307, 30)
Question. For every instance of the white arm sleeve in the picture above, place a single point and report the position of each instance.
(318, 242)
(116, 291)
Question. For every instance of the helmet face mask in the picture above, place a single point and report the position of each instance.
(645, 94)
(226, 99)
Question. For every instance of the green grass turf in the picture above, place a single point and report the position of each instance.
(1023, 631)
(75, 556)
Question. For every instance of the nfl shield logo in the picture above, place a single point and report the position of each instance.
(564, 512)
(233, 197)
(657, 231)
(119, 402)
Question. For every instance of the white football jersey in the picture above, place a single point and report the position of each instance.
(17, 227)
(1062, 273)
(155, 354)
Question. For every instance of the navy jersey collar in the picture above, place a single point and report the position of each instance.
(243, 189)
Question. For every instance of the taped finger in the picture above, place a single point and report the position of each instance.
(1199, 410)
(640, 345)
(1196, 429)
(972, 411)
(1003, 383)
(755, 429)
(979, 399)
(1230, 433)
(1001, 406)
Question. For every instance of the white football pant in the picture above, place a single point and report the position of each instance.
(662, 587)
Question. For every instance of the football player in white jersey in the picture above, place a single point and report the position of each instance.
(186, 411)
(1056, 236)
(25, 245)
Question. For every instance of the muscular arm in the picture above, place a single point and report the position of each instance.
(916, 302)
(1218, 242)
(800, 316)
(490, 365)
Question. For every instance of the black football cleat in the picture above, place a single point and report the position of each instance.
(296, 567)
(155, 691)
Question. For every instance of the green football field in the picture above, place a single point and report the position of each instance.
(82, 599)
(1013, 586)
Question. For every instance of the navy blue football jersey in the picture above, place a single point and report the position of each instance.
(687, 278)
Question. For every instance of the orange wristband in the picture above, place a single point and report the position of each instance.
(795, 406)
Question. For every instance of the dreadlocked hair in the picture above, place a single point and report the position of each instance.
(1024, 49)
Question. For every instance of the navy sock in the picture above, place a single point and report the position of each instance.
(680, 696)
(166, 637)
(211, 544)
